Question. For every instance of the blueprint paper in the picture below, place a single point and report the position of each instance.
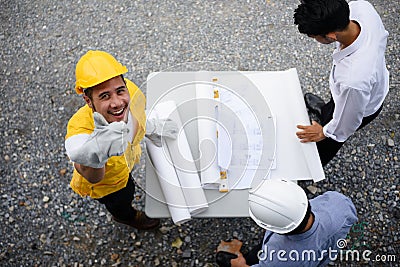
(302, 158)
(240, 141)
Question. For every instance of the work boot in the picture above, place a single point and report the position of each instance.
(314, 103)
(314, 117)
(140, 222)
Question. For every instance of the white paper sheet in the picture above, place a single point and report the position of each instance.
(302, 157)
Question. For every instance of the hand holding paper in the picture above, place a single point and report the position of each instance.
(157, 128)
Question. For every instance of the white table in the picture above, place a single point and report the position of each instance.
(276, 94)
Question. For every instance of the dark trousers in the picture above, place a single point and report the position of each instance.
(328, 148)
(119, 203)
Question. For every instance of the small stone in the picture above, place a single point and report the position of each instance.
(133, 235)
(312, 189)
(76, 238)
(177, 243)
(42, 238)
(46, 199)
(164, 229)
(7, 158)
(390, 142)
(186, 254)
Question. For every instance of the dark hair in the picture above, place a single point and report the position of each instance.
(88, 92)
(299, 229)
(320, 17)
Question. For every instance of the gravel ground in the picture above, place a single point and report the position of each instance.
(45, 224)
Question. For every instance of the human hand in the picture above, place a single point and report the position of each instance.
(158, 128)
(112, 137)
(310, 133)
(240, 261)
(106, 140)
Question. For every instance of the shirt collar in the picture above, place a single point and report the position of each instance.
(307, 233)
(338, 54)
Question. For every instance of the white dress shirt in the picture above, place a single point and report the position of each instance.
(359, 80)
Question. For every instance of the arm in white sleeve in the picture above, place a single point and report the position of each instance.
(348, 114)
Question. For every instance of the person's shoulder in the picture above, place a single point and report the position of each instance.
(334, 203)
(360, 4)
(332, 199)
(132, 87)
(332, 196)
(138, 100)
(81, 122)
(84, 113)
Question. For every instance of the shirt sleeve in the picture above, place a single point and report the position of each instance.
(348, 114)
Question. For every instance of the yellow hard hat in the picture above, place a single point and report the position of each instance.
(96, 67)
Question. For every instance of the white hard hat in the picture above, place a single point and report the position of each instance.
(278, 205)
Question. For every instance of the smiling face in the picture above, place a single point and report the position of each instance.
(110, 99)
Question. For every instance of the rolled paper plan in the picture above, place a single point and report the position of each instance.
(183, 161)
(169, 182)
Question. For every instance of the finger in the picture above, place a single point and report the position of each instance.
(307, 137)
(301, 126)
(305, 140)
(303, 131)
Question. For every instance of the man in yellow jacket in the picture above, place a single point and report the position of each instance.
(103, 137)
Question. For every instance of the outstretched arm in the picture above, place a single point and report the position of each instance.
(93, 175)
